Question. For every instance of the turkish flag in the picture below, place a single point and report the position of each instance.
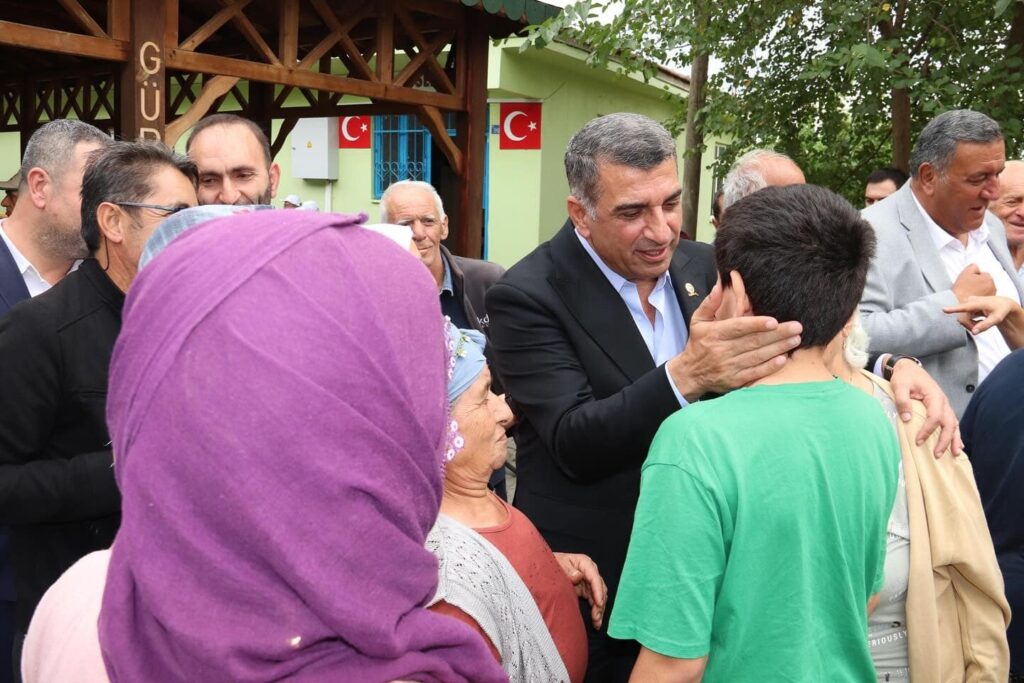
(354, 132)
(520, 125)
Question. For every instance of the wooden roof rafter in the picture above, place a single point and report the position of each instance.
(83, 18)
(155, 67)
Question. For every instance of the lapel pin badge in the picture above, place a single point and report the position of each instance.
(690, 289)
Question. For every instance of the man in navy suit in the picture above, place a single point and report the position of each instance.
(38, 247)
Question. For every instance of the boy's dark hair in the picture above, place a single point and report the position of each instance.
(803, 252)
(123, 172)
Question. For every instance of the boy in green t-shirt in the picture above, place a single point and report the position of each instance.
(759, 538)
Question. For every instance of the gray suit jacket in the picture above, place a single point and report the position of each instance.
(907, 288)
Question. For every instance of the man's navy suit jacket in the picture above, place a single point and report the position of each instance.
(12, 284)
(12, 290)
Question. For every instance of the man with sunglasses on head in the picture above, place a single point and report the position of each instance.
(57, 488)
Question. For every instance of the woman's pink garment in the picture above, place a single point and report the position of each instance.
(63, 642)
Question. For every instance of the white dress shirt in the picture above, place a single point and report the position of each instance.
(667, 337)
(33, 280)
(955, 257)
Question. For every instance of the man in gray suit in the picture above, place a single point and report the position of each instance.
(938, 246)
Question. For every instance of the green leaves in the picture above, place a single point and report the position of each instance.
(816, 78)
(1002, 6)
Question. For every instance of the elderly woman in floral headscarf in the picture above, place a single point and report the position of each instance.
(497, 573)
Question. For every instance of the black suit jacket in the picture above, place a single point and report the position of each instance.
(12, 284)
(57, 487)
(590, 396)
(471, 278)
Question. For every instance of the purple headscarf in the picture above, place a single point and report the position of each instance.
(277, 407)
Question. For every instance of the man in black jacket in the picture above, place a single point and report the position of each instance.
(37, 248)
(57, 488)
(993, 429)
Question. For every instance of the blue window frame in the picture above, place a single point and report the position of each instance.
(402, 150)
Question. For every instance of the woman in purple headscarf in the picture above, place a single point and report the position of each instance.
(278, 410)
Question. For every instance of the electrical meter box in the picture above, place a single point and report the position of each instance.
(315, 149)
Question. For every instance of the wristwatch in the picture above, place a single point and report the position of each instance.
(890, 364)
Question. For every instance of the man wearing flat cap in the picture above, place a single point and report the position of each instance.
(10, 188)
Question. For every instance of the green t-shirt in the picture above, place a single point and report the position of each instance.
(760, 534)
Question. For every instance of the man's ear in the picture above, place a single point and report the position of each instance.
(848, 327)
(927, 178)
(579, 216)
(743, 307)
(275, 177)
(38, 186)
(444, 228)
(112, 222)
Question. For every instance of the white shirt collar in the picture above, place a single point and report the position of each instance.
(943, 239)
(616, 280)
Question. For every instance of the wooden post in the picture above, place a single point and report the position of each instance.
(472, 136)
(385, 41)
(143, 77)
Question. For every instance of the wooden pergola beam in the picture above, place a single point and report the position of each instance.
(472, 134)
(288, 33)
(434, 122)
(48, 40)
(118, 26)
(213, 89)
(83, 18)
(427, 52)
(185, 60)
(253, 37)
(213, 25)
(144, 80)
(386, 41)
(427, 58)
(340, 31)
(170, 22)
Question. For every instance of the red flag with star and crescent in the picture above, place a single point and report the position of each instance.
(354, 132)
(520, 125)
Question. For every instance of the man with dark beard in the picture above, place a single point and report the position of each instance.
(43, 242)
(234, 161)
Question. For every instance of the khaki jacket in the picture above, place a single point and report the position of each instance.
(957, 612)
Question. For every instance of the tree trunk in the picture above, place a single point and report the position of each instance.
(694, 142)
(901, 129)
(1016, 36)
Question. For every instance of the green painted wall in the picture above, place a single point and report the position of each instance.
(10, 154)
(351, 192)
(516, 192)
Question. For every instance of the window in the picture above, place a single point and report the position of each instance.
(720, 151)
(402, 150)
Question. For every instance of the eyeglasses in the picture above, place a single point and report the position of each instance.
(168, 210)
